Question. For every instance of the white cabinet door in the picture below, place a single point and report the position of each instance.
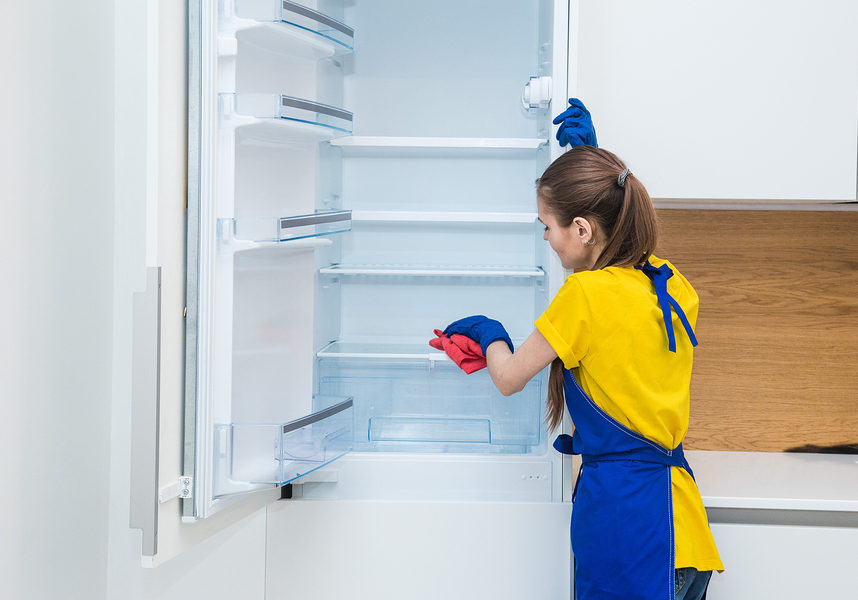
(784, 562)
(726, 100)
(418, 550)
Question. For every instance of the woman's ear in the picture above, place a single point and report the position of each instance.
(583, 229)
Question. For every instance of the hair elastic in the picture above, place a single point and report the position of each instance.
(621, 180)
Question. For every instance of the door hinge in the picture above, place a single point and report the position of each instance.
(183, 488)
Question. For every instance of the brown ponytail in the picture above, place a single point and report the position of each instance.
(556, 396)
(585, 182)
(634, 234)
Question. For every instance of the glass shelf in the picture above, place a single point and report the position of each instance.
(404, 402)
(514, 272)
(284, 27)
(277, 453)
(389, 351)
(372, 351)
(276, 117)
(403, 216)
(444, 147)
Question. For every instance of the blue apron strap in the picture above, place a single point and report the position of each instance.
(563, 444)
(659, 277)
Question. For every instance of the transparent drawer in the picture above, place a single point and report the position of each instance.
(428, 429)
(409, 397)
(277, 453)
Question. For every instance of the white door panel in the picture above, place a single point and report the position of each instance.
(784, 562)
(418, 550)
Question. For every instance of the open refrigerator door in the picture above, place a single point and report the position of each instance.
(361, 173)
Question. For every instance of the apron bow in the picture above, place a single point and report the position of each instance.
(659, 277)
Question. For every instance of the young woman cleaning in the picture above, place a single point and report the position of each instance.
(619, 338)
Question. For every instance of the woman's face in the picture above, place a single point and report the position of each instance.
(568, 242)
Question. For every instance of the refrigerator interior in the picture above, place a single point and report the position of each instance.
(370, 174)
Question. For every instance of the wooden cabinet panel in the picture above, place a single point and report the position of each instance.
(777, 365)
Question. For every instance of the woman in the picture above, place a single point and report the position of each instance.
(619, 338)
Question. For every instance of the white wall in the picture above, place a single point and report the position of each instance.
(74, 179)
(56, 185)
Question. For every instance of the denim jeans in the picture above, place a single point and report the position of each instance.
(691, 584)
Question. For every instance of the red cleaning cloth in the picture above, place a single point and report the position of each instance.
(464, 351)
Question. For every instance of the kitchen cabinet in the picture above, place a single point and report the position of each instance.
(784, 561)
(786, 524)
(748, 102)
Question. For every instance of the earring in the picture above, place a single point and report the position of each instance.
(589, 242)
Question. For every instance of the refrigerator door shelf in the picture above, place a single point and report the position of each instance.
(402, 216)
(283, 119)
(302, 17)
(283, 229)
(299, 233)
(457, 272)
(250, 455)
(283, 27)
(411, 398)
(441, 147)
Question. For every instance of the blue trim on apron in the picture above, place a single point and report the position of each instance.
(622, 518)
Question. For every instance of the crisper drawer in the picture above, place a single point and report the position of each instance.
(407, 398)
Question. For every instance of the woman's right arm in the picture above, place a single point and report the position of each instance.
(510, 371)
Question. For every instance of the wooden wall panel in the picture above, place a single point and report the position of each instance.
(777, 365)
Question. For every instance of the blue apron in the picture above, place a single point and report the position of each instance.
(622, 519)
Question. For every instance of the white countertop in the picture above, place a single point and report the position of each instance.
(776, 481)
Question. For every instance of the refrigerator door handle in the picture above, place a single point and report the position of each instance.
(145, 411)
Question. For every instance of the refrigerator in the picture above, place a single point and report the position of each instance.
(360, 174)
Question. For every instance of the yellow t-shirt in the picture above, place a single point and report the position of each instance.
(607, 326)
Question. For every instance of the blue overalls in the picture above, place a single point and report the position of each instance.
(622, 517)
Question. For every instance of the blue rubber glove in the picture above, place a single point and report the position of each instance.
(576, 126)
(481, 329)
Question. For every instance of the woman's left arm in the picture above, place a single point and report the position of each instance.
(509, 371)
